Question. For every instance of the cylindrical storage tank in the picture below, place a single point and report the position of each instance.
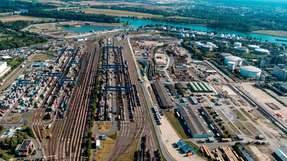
(262, 51)
(237, 60)
(250, 72)
(231, 65)
(237, 44)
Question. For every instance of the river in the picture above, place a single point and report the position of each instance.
(136, 23)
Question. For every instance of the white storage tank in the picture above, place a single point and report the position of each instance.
(237, 60)
(250, 72)
(262, 51)
(253, 47)
(241, 49)
(231, 65)
(237, 44)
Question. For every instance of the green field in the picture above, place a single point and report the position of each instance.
(13, 63)
(14, 39)
(175, 124)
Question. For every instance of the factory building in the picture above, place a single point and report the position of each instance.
(242, 151)
(25, 149)
(193, 123)
(3, 68)
(271, 60)
(281, 74)
(281, 154)
(6, 57)
(250, 72)
(163, 99)
(201, 87)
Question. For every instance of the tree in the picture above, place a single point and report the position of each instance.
(29, 131)
(1, 128)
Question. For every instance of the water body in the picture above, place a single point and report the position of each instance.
(136, 23)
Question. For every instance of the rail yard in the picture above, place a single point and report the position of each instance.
(144, 96)
(61, 138)
(121, 102)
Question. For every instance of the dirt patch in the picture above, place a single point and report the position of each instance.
(40, 57)
(19, 18)
(272, 32)
(13, 118)
(120, 13)
(102, 154)
(103, 127)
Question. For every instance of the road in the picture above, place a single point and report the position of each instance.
(148, 103)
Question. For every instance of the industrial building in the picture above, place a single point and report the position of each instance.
(162, 97)
(200, 87)
(251, 72)
(281, 154)
(25, 149)
(279, 60)
(3, 68)
(280, 74)
(182, 89)
(193, 100)
(242, 151)
(184, 147)
(193, 123)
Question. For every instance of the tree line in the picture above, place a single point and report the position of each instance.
(70, 15)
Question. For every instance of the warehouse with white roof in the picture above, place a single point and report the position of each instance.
(4, 68)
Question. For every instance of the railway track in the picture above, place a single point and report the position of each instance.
(131, 132)
(67, 134)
